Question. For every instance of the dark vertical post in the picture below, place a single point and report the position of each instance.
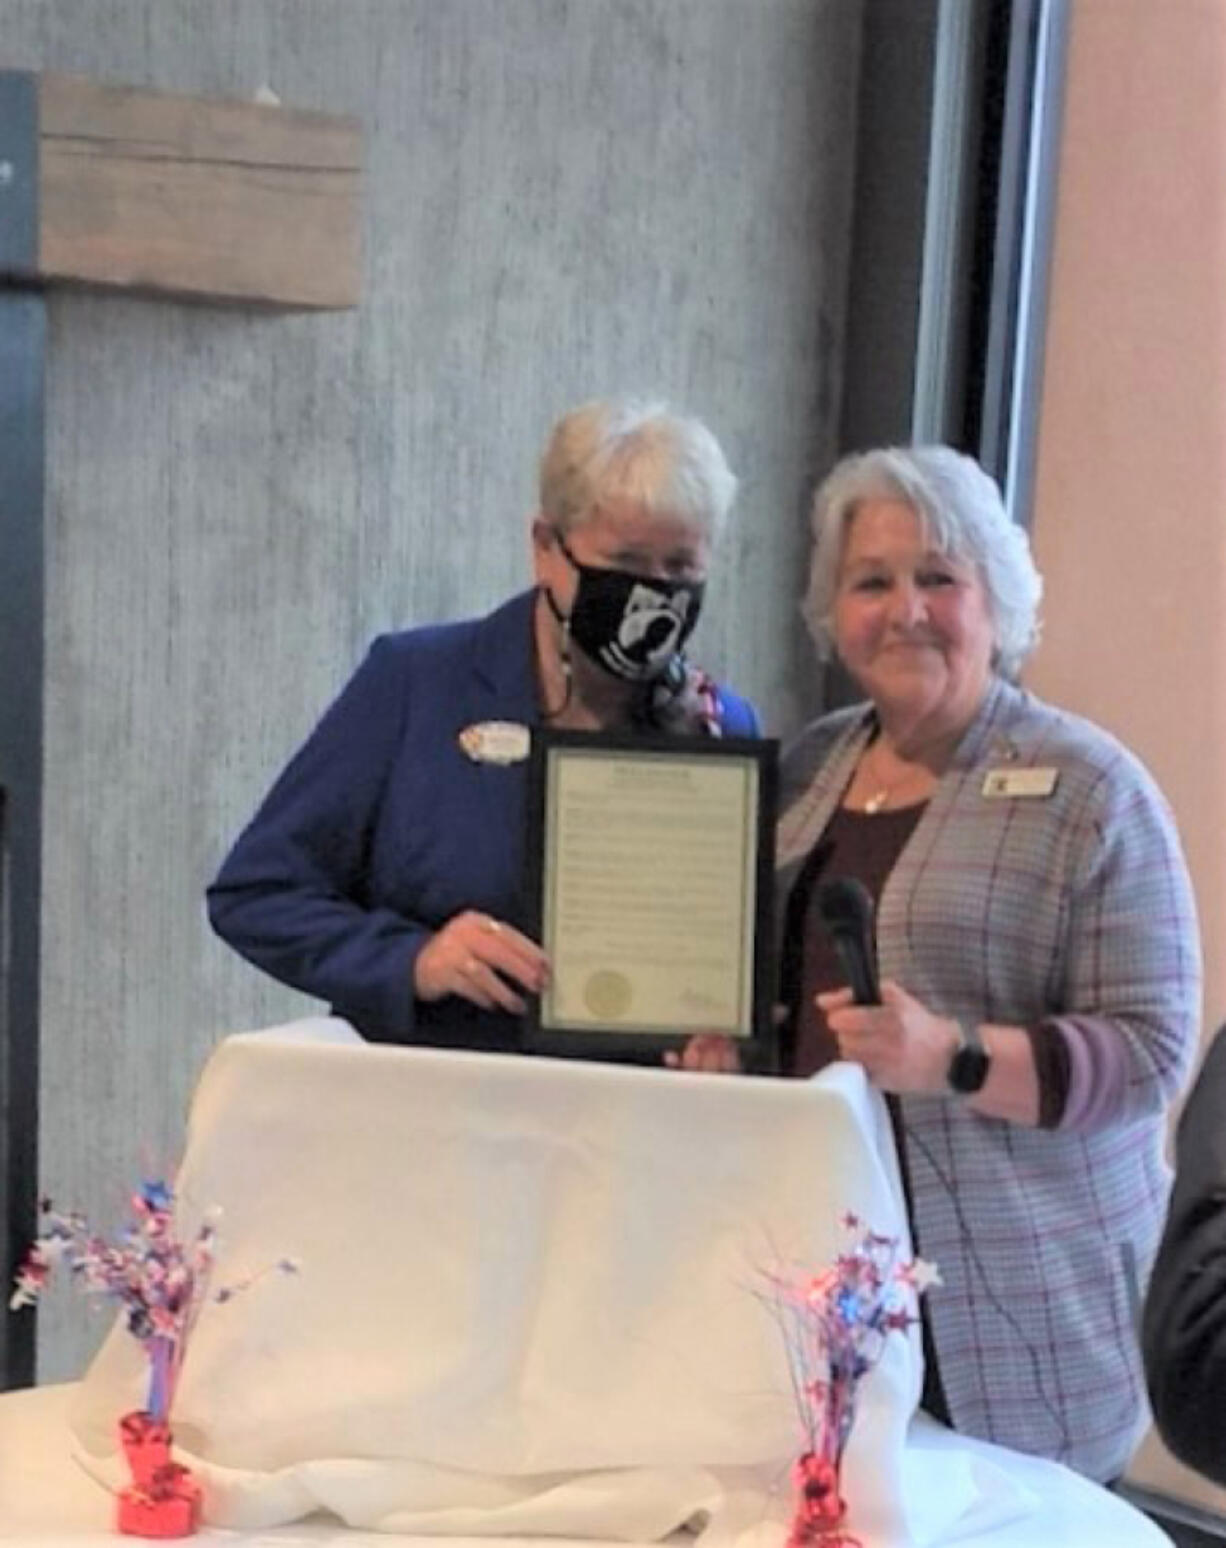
(1030, 73)
(23, 338)
(897, 64)
(885, 273)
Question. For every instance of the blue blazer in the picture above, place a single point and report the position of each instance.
(381, 829)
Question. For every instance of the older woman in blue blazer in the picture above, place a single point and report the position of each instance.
(384, 871)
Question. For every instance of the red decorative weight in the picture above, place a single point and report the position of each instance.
(820, 1507)
(164, 1498)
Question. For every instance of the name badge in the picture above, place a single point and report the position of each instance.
(496, 741)
(1020, 784)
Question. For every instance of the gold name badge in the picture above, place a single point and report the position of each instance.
(1020, 784)
(496, 741)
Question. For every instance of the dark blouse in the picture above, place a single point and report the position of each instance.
(855, 844)
(866, 846)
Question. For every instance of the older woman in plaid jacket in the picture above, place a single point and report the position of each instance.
(1038, 946)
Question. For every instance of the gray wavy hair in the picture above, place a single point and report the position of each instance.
(964, 517)
(624, 448)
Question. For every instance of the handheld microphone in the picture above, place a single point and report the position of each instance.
(846, 909)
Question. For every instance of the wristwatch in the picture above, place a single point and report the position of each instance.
(968, 1069)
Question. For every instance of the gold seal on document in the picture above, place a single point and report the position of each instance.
(607, 994)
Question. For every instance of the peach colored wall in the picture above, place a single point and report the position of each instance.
(1130, 509)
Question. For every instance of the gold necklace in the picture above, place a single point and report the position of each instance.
(874, 803)
(879, 798)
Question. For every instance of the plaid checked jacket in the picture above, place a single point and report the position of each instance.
(1015, 910)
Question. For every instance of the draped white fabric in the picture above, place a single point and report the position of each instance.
(525, 1308)
(526, 1302)
(47, 1501)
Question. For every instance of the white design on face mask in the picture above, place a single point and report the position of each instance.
(650, 628)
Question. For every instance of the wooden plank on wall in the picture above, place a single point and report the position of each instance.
(190, 196)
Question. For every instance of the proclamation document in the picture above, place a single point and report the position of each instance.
(654, 885)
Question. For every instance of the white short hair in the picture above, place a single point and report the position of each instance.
(615, 449)
(964, 517)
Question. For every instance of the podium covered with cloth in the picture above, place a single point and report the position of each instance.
(527, 1307)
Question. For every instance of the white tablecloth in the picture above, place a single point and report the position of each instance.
(525, 1308)
(48, 1501)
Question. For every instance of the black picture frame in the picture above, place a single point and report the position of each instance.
(619, 1037)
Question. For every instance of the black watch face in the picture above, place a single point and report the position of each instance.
(968, 1069)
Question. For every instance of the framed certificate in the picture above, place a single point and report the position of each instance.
(651, 861)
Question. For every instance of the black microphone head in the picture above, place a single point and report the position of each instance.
(846, 907)
(846, 910)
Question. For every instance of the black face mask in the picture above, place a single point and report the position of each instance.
(631, 625)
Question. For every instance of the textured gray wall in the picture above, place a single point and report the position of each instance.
(564, 198)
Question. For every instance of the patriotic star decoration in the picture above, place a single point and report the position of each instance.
(159, 1279)
(836, 1324)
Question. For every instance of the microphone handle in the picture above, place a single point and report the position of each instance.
(859, 968)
